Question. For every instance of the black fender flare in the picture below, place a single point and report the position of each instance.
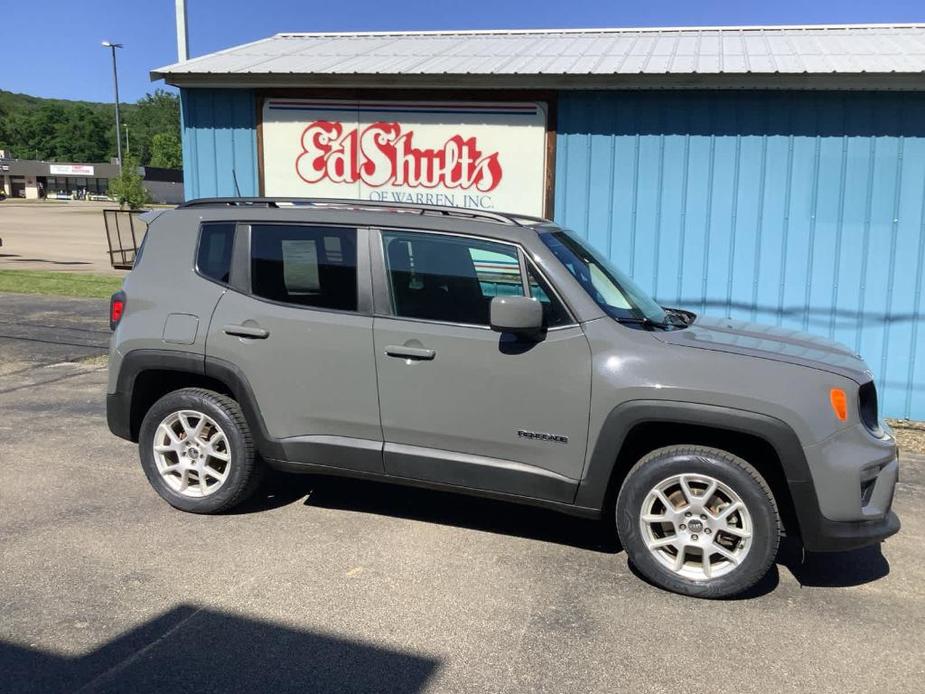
(621, 420)
(136, 362)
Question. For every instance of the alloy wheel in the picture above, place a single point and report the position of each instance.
(192, 453)
(696, 526)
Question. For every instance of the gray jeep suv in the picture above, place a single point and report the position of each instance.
(490, 354)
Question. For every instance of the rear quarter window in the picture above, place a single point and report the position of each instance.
(213, 259)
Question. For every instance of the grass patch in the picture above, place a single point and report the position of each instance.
(59, 283)
(96, 360)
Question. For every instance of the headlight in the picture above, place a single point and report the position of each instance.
(867, 408)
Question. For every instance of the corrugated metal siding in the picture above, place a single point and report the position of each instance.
(805, 210)
(219, 137)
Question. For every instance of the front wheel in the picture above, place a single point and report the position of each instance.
(197, 452)
(698, 521)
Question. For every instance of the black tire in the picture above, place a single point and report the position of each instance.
(730, 470)
(244, 469)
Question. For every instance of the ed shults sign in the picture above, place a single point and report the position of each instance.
(481, 155)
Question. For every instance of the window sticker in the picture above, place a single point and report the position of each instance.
(300, 266)
(332, 250)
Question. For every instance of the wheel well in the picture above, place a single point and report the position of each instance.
(648, 436)
(150, 386)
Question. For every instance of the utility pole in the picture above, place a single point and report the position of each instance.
(182, 32)
(128, 148)
(115, 81)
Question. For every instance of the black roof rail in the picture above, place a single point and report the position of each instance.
(502, 217)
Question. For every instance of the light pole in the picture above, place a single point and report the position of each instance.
(115, 82)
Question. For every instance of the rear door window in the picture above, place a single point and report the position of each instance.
(305, 265)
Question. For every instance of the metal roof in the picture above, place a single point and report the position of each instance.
(550, 56)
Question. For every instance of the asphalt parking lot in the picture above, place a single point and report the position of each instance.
(48, 332)
(53, 235)
(335, 585)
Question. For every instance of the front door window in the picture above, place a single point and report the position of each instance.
(448, 278)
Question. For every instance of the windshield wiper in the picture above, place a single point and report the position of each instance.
(644, 321)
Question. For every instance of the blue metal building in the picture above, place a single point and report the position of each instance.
(774, 174)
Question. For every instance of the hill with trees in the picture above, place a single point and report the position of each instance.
(81, 131)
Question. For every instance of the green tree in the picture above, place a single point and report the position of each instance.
(33, 132)
(56, 132)
(4, 128)
(165, 151)
(60, 130)
(127, 187)
(79, 135)
(153, 114)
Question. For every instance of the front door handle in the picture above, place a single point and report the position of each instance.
(418, 353)
(246, 331)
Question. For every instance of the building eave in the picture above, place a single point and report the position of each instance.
(890, 81)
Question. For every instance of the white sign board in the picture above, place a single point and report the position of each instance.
(70, 170)
(488, 156)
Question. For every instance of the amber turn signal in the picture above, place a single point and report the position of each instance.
(839, 403)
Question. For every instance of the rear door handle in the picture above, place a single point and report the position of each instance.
(418, 353)
(246, 331)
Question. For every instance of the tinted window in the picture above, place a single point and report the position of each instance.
(611, 289)
(215, 243)
(448, 278)
(308, 266)
(554, 313)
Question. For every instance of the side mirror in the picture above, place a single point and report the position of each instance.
(518, 315)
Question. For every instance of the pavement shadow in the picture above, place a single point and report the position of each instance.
(457, 510)
(833, 569)
(830, 569)
(813, 569)
(51, 262)
(766, 584)
(191, 649)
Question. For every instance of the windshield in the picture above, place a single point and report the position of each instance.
(614, 291)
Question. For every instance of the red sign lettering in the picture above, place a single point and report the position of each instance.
(382, 154)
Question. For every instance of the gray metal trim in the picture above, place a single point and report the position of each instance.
(511, 84)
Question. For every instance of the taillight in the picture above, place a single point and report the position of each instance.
(116, 309)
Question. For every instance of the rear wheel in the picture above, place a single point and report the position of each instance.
(197, 452)
(698, 521)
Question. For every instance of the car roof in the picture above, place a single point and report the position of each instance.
(499, 225)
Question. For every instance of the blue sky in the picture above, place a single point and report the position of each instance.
(52, 48)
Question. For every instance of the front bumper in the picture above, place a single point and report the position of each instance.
(841, 536)
(848, 502)
(819, 534)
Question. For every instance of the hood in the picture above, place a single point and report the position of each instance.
(769, 342)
